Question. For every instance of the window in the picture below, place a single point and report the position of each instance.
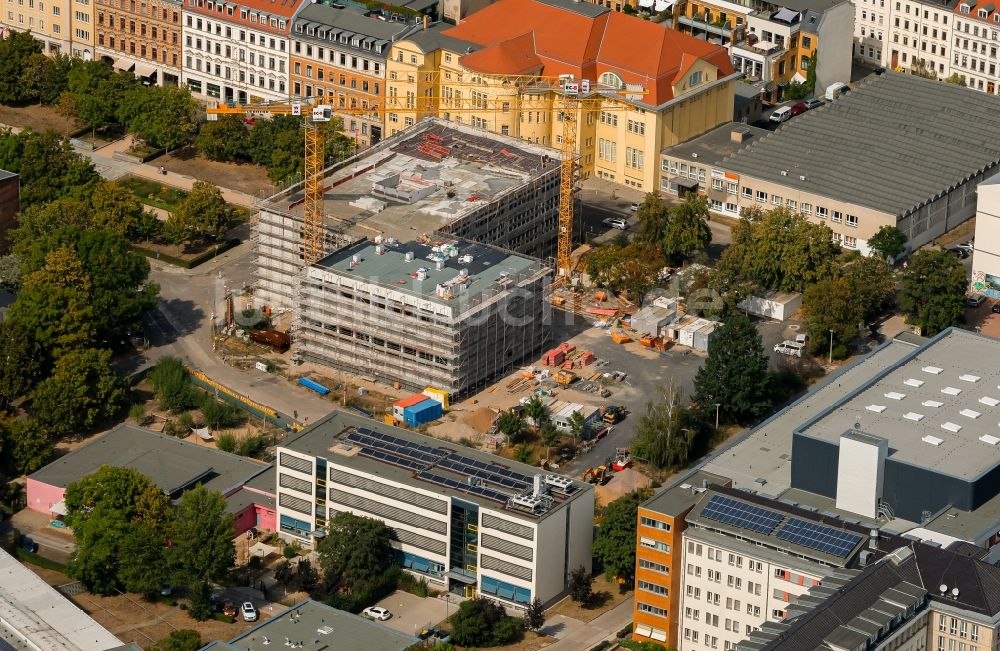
(652, 610)
(652, 587)
(655, 524)
(611, 79)
(807, 209)
(633, 158)
(606, 149)
(852, 220)
(695, 78)
(761, 196)
(717, 184)
(776, 200)
(821, 212)
(747, 192)
(792, 204)
(653, 566)
(837, 216)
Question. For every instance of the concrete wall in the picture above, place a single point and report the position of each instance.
(42, 496)
(986, 257)
(836, 30)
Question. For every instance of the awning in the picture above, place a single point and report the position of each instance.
(123, 64)
(799, 77)
(461, 577)
(144, 69)
(59, 508)
(203, 433)
(690, 184)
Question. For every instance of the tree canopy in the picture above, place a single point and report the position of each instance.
(481, 622)
(82, 391)
(48, 166)
(687, 229)
(668, 434)
(356, 555)
(735, 374)
(15, 52)
(633, 268)
(203, 214)
(932, 292)
(888, 243)
(163, 116)
(614, 544)
(202, 533)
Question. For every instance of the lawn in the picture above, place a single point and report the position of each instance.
(154, 194)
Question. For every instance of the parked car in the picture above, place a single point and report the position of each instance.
(996, 308)
(975, 300)
(801, 338)
(781, 114)
(248, 611)
(960, 252)
(617, 222)
(790, 348)
(376, 612)
(634, 207)
(228, 608)
(835, 90)
(799, 108)
(812, 103)
(966, 246)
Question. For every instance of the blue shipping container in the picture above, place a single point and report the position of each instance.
(422, 412)
(315, 386)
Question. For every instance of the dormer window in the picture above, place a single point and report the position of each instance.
(243, 14)
(355, 42)
(611, 79)
(695, 78)
(996, 19)
(312, 31)
(965, 8)
(298, 28)
(982, 13)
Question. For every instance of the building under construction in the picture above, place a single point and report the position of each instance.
(453, 314)
(437, 178)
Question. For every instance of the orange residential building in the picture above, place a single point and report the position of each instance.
(658, 567)
(141, 36)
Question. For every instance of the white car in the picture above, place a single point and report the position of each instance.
(376, 612)
(248, 611)
(617, 222)
(790, 348)
(781, 114)
(634, 207)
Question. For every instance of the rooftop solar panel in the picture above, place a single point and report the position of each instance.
(740, 514)
(829, 540)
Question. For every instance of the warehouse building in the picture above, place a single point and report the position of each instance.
(908, 167)
(452, 315)
(466, 521)
(436, 178)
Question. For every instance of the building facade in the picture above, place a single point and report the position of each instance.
(10, 204)
(976, 38)
(339, 57)
(986, 254)
(463, 521)
(141, 36)
(237, 52)
(685, 84)
(62, 26)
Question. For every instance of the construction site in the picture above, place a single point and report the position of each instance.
(437, 178)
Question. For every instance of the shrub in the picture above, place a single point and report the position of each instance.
(632, 645)
(218, 414)
(185, 421)
(601, 646)
(172, 384)
(481, 622)
(137, 412)
(250, 446)
(413, 585)
(255, 563)
(624, 632)
(290, 552)
(226, 442)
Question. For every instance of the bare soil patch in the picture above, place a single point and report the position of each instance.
(244, 177)
(37, 118)
(607, 595)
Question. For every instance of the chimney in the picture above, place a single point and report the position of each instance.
(739, 135)
(427, 21)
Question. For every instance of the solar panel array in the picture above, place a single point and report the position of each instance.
(740, 514)
(488, 493)
(490, 472)
(828, 540)
(396, 450)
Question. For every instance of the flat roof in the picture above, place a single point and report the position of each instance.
(714, 146)
(922, 153)
(171, 463)
(318, 626)
(761, 460)
(4, 175)
(676, 500)
(336, 438)
(474, 270)
(449, 170)
(938, 407)
(40, 613)
(346, 20)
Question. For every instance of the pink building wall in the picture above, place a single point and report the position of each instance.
(268, 518)
(42, 496)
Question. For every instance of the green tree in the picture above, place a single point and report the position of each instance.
(957, 79)
(550, 436)
(172, 384)
(143, 565)
(654, 217)
(580, 583)
(831, 305)
(668, 433)
(888, 243)
(534, 615)
(82, 391)
(524, 453)
(15, 51)
(45, 77)
(356, 553)
(511, 423)
(10, 271)
(577, 425)
(96, 560)
(687, 230)
(633, 268)
(872, 284)
(163, 116)
(482, 622)
(536, 410)
(116, 210)
(180, 640)
(306, 575)
(202, 533)
(225, 139)
(614, 544)
(218, 414)
(48, 166)
(932, 292)
(203, 214)
(283, 574)
(27, 447)
(735, 373)
(21, 361)
(125, 491)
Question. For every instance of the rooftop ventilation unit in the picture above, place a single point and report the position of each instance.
(913, 383)
(802, 177)
(895, 395)
(933, 370)
(932, 440)
(969, 377)
(914, 416)
(932, 403)
(989, 402)
(409, 256)
(560, 483)
(951, 427)
(970, 413)
(951, 391)
(989, 439)
(878, 409)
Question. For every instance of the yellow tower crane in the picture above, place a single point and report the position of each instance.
(572, 100)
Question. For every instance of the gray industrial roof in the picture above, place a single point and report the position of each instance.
(938, 407)
(674, 501)
(326, 438)
(318, 626)
(717, 144)
(432, 38)
(890, 144)
(807, 5)
(489, 269)
(351, 20)
(171, 463)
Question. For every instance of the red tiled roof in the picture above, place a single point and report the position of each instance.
(283, 9)
(567, 42)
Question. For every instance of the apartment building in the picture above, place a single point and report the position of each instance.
(658, 567)
(974, 50)
(454, 315)
(141, 36)
(466, 521)
(746, 559)
(237, 52)
(339, 57)
(684, 86)
(62, 26)
(919, 40)
(919, 173)
(774, 42)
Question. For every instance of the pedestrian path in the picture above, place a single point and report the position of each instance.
(600, 628)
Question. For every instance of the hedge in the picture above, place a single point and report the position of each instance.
(40, 561)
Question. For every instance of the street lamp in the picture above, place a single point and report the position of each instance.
(830, 360)
(717, 405)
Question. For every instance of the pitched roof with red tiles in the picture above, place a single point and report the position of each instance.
(516, 33)
(262, 12)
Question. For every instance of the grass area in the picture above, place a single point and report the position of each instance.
(154, 194)
(607, 595)
(40, 561)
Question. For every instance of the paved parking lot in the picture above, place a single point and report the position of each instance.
(410, 613)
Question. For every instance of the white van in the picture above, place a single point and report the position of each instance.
(790, 348)
(781, 114)
(833, 91)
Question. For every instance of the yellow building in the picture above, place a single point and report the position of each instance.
(684, 86)
(63, 26)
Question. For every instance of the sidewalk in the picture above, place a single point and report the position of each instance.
(602, 628)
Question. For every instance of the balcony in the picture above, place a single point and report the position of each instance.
(718, 28)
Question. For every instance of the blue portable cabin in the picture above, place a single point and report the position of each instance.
(422, 412)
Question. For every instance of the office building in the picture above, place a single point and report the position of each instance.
(436, 181)
(237, 52)
(466, 521)
(453, 315)
(141, 37)
(683, 85)
(919, 173)
(339, 57)
(311, 623)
